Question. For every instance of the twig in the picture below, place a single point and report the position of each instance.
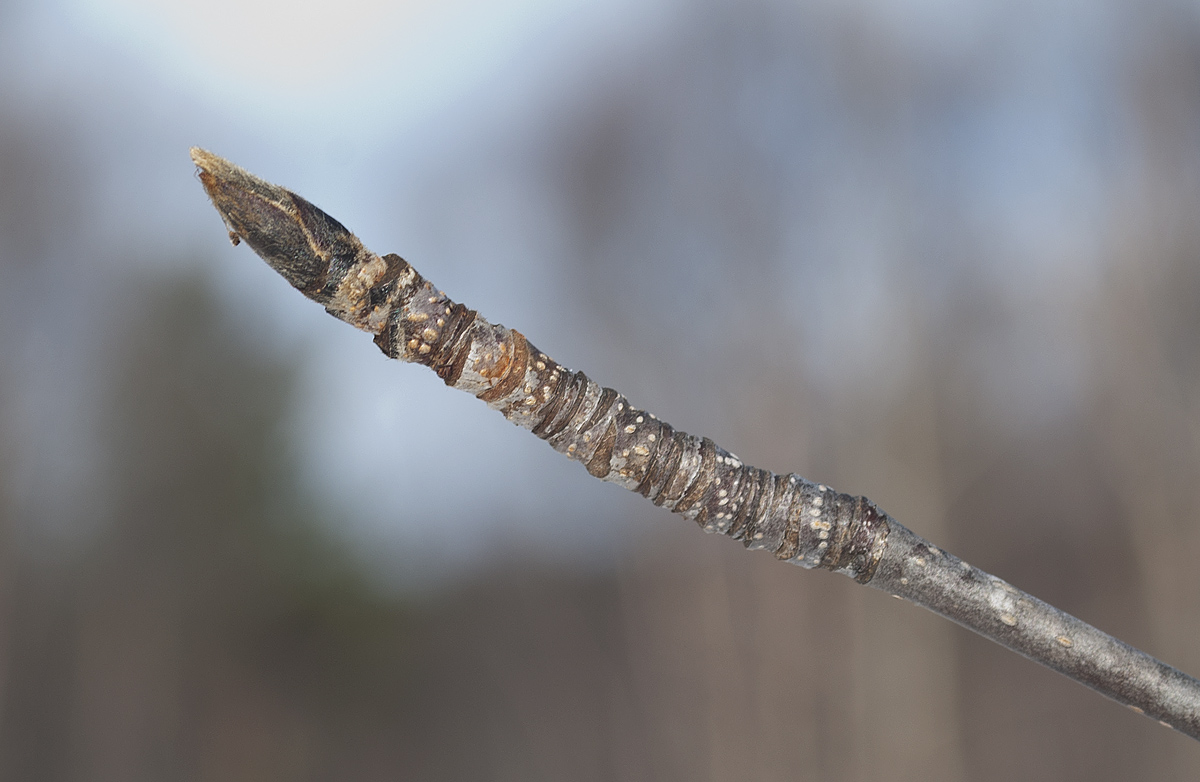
(799, 521)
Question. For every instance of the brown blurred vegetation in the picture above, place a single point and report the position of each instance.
(209, 626)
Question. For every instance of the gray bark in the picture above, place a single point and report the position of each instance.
(797, 520)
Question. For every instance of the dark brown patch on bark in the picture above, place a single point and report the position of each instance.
(331, 243)
(455, 344)
(601, 464)
(568, 385)
(386, 338)
(791, 533)
(577, 393)
(382, 290)
(517, 364)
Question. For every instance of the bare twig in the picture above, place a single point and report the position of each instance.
(800, 522)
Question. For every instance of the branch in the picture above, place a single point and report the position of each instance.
(799, 521)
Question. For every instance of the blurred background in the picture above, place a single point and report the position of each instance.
(945, 254)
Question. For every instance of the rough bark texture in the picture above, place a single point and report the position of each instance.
(797, 520)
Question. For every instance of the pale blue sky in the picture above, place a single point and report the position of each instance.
(393, 62)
